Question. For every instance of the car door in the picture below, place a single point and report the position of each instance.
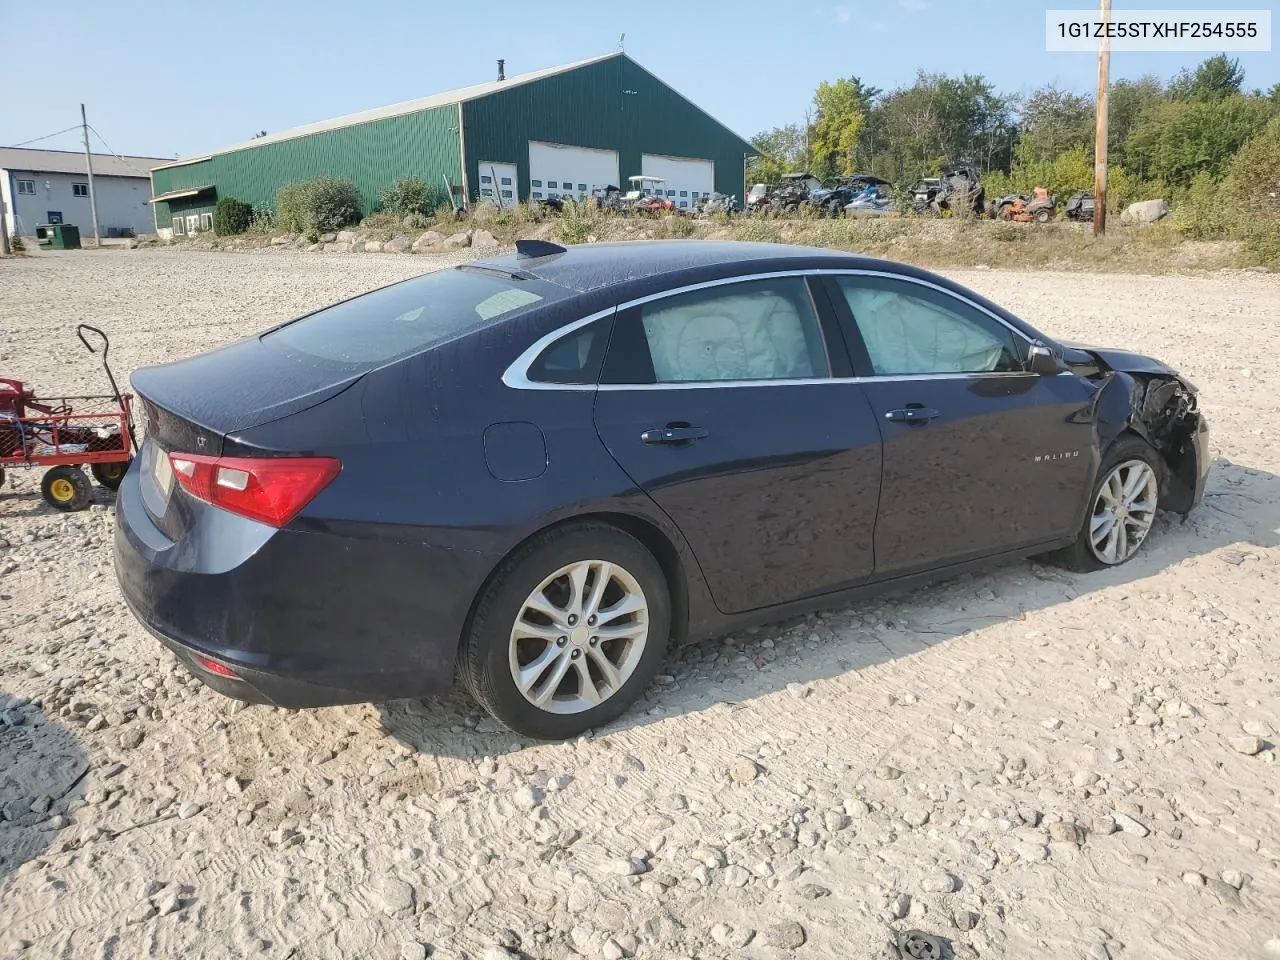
(732, 407)
(980, 454)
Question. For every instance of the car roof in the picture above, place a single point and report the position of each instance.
(661, 263)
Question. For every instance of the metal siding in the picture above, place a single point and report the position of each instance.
(587, 108)
(370, 155)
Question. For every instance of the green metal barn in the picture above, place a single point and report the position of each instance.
(564, 131)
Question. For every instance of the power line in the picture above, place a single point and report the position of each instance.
(104, 142)
(48, 136)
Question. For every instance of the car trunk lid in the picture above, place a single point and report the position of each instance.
(192, 406)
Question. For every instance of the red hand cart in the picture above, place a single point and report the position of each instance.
(51, 432)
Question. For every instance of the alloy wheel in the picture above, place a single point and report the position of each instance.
(579, 637)
(1123, 512)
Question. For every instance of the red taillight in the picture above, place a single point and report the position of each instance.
(268, 489)
(214, 667)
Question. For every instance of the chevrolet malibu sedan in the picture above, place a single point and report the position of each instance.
(538, 471)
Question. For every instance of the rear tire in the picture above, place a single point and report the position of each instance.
(1114, 508)
(572, 677)
(110, 475)
(66, 488)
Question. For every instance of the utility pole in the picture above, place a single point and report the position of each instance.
(1100, 132)
(88, 159)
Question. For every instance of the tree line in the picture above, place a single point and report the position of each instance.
(1162, 138)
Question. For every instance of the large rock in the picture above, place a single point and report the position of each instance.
(338, 247)
(398, 245)
(346, 236)
(456, 242)
(373, 246)
(1145, 211)
(429, 239)
(484, 240)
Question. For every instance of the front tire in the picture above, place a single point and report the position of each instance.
(66, 488)
(1122, 508)
(568, 633)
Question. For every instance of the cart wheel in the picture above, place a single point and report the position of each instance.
(66, 488)
(110, 474)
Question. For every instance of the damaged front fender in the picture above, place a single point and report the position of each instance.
(1161, 407)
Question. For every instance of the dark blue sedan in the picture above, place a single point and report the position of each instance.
(538, 471)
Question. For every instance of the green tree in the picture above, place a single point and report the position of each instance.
(1053, 122)
(1181, 138)
(838, 121)
(1274, 94)
(1214, 79)
(1128, 103)
(781, 151)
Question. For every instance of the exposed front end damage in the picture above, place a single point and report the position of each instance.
(1150, 399)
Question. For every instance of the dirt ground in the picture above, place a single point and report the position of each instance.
(1030, 764)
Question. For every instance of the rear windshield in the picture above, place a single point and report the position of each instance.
(409, 317)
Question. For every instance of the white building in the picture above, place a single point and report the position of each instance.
(52, 186)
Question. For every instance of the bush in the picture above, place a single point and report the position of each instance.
(231, 216)
(1253, 176)
(411, 195)
(322, 204)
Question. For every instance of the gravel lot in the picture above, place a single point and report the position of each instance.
(1029, 764)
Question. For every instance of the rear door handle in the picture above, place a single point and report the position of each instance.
(913, 415)
(674, 433)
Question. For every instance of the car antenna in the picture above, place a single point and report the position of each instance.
(533, 249)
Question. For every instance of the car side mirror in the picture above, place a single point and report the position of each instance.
(1044, 360)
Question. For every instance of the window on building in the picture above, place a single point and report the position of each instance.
(506, 181)
(179, 227)
(535, 183)
(206, 221)
(506, 194)
(79, 189)
(485, 179)
(568, 186)
(27, 187)
(582, 188)
(537, 194)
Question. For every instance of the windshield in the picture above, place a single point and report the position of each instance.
(410, 317)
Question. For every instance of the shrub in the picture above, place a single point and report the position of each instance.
(411, 195)
(1253, 176)
(676, 227)
(231, 216)
(323, 204)
(575, 223)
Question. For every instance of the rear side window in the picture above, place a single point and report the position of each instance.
(410, 317)
(750, 330)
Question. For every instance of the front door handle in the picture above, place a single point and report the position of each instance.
(913, 414)
(674, 433)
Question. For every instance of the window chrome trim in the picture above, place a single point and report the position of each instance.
(516, 376)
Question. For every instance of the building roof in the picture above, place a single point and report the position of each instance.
(72, 161)
(446, 99)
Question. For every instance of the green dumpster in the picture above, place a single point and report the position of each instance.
(58, 236)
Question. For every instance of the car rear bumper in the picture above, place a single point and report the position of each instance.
(303, 619)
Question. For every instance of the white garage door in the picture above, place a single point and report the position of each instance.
(556, 170)
(686, 179)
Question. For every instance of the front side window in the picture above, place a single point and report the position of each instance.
(79, 189)
(27, 187)
(178, 226)
(912, 330)
(753, 330)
